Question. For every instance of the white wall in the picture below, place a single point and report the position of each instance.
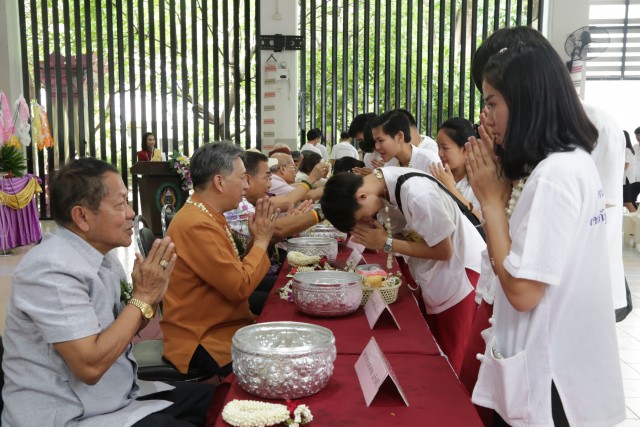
(284, 105)
(10, 62)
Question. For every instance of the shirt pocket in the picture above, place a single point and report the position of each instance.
(503, 383)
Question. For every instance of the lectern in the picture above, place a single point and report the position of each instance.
(158, 185)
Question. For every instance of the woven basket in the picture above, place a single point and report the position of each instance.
(389, 293)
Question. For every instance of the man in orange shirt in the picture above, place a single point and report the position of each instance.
(209, 289)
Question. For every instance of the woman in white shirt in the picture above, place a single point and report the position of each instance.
(453, 134)
(552, 355)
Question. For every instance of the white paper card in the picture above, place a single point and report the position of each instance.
(373, 369)
(353, 245)
(376, 307)
(354, 259)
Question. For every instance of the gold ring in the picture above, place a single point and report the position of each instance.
(164, 264)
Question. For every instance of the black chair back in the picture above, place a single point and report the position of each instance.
(165, 217)
(143, 235)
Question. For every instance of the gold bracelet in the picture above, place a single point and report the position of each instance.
(315, 214)
(306, 184)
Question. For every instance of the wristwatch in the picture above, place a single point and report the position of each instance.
(388, 245)
(145, 309)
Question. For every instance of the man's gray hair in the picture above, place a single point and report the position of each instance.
(213, 159)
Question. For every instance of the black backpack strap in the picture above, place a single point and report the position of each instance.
(464, 209)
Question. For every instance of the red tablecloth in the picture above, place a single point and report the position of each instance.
(435, 396)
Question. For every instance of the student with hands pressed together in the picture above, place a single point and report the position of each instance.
(551, 355)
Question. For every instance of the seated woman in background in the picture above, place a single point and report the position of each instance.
(149, 153)
(345, 164)
(309, 160)
(452, 135)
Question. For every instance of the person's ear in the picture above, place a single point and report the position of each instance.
(79, 216)
(218, 183)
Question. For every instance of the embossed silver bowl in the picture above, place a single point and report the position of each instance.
(324, 230)
(327, 293)
(321, 246)
(283, 360)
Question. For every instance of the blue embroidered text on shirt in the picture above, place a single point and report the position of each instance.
(597, 219)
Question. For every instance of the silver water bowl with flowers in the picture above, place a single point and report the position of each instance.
(320, 246)
(283, 360)
(325, 230)
(327, 293)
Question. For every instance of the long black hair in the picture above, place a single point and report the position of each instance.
(545, 113)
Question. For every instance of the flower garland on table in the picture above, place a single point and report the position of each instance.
(253, 413)
(204, 209)
(180, 164)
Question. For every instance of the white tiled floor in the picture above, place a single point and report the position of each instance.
(628, 330)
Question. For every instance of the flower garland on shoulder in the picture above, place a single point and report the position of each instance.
(253, 413)
(180, 164)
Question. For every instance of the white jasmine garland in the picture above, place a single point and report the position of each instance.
(252, 413)
(515, 194)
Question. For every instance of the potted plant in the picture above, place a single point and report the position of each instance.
(12, 161)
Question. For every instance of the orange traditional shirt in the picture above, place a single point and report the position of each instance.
(207, 298)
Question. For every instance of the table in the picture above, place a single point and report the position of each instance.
(19, 219)
(435, 395)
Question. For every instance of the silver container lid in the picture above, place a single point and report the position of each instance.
(326, 279)
(283, 339)
(311, 242)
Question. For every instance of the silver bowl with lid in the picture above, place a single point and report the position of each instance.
(324, 230)
(283, 360)
(320, 246)
(327, 293)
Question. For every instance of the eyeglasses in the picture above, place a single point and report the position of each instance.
(291, 166)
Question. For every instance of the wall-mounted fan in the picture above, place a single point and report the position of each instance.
(586, 43)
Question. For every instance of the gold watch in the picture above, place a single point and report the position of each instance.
(145, 309)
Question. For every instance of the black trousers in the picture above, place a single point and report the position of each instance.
(203, 361)
(191, 402)
(557, 412)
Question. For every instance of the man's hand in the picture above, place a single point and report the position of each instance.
(302, 208)
(370, 234)
(151, 275)
(262, 223)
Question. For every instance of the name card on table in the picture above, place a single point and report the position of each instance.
(376, 308)
(356, 254)
(373, 370)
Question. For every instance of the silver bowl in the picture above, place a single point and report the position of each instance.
(321, 246)
(283, 360)
(327, 293)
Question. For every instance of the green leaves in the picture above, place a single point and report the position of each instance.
(12, 161)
